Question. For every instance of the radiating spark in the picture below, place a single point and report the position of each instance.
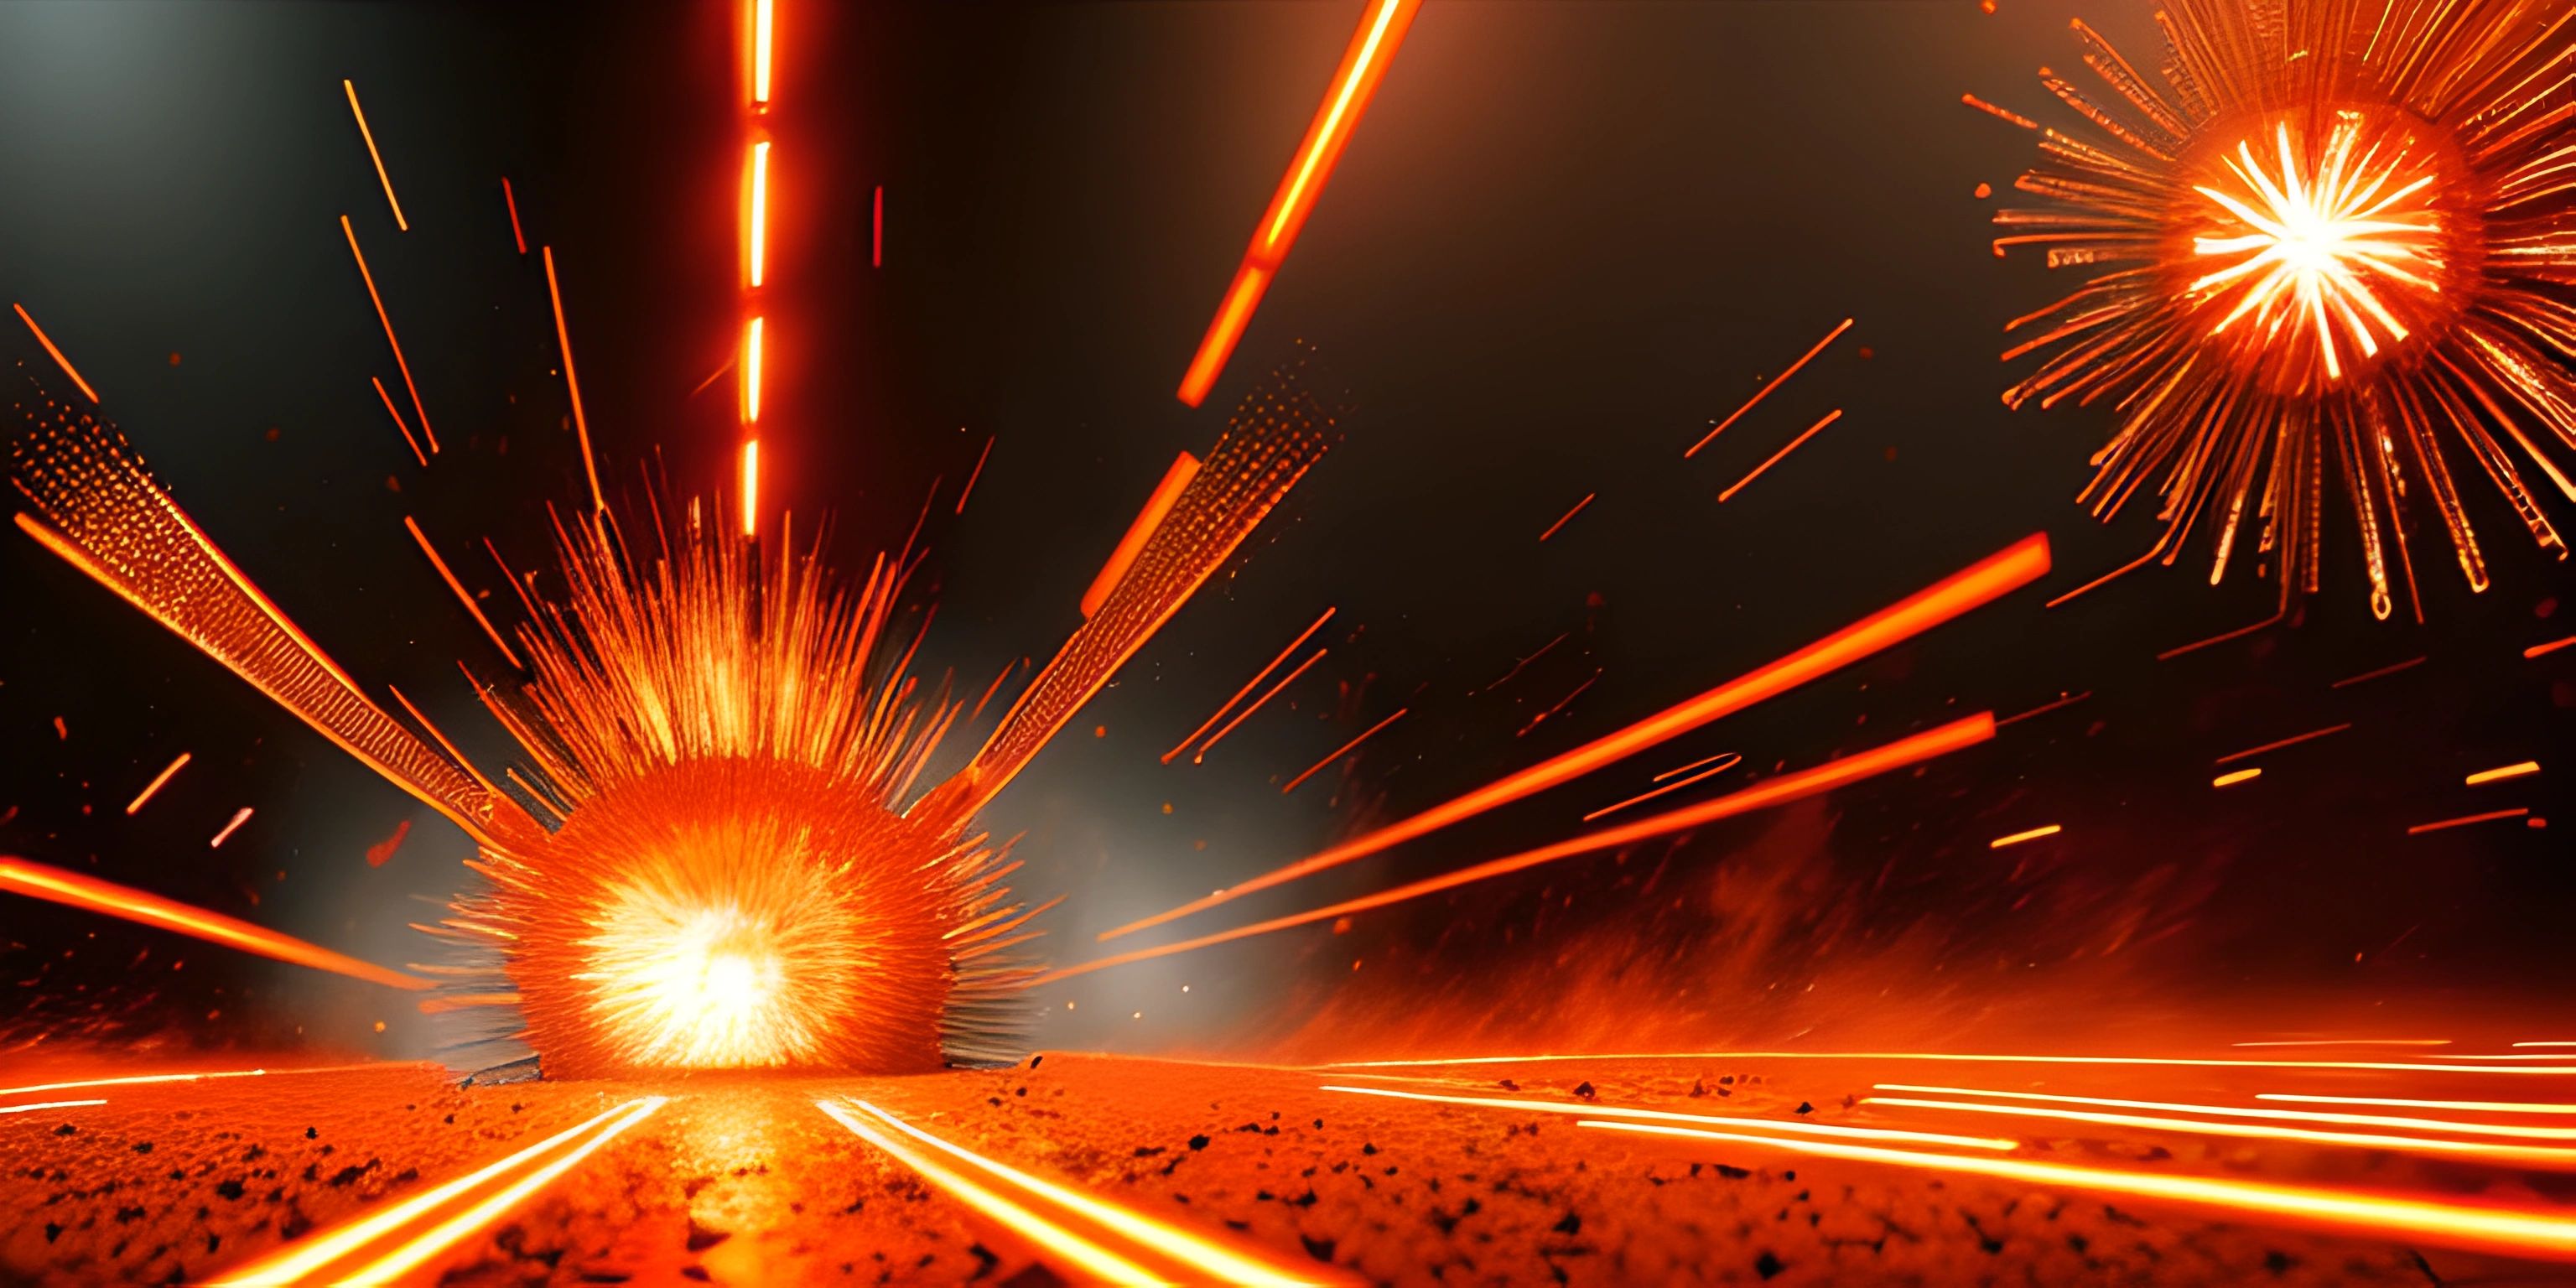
(66, 363)
(1200, 1255)
(1561, 703)
(2538, 1155)
(1200, 757)
(49, 1104)
(2221, 637)
(572, 383)
(2464, 820)
(2391, 669)
(2291, 741)
(77, 890)
(2275, 1115)
(995, 687)
(2230, 779)
(2348, 1042)
(2464, 1106)
(1168, 491)
(2044, 708)
(1561, 522)
(759, 229)
(511, 200)
(1740, 484)
(2500, 1229)
(751, 488)
(1731, 760)
(375, 156)
(2535, 650)
(462, 595)
(1785, 788)
(149, 1079)
(158, 779)
(1343, 750)
(1997, 112)
(1765, 391)
(390, 410)
(1522, 664)
(2019, 837)
(1744, 1122)
(2015, 566)
(384, 1246)
(240, 816)
(1372, 47)
(2500, 774)
(2141, 1061)
(2312, 270)
(764, 31)
(976, 473)
(401, 363)
(1730, 757)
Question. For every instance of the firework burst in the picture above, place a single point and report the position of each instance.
(2337, 238)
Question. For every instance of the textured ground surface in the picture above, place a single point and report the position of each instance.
(746, 1182)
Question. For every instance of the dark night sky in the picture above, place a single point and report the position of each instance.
(1565, 239)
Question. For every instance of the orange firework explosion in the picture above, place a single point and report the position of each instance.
(721, 853)
(2338, 234)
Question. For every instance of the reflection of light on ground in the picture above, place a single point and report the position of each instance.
(726, 1140)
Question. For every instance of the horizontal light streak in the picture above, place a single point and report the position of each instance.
(1660, 1115)
(2019, 837)
(158, 779)
(77, 890)
(2543, 1155)
(759, 229)
(49, 1104)
(2230, 780)
(2180, 1062)
(54, 353)
(2463, 1106)
(2346, 1042)
(2500, 774)
(2277, 1115)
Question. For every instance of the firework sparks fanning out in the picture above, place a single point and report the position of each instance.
(2336, 239)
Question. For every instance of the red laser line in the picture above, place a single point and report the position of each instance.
(2535, 650)
(1578, 509)
(400, 363)
(511, 199)
(1343, 750)
(2373, 675)
(572, 383)
(2044, 708)
(1765, 391)
(2285, 742)
(1284, 682)
(462, 596)
(1561, 703)
(2463, 821)
(2015, 566)
(408, 440)
(1740, 484)
(155, 785)
(1997, 112)
(66, 363)
(77, 890)
(977, 474)
(1248, 685)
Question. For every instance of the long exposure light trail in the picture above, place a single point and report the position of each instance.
(1765, 391)
(2491, 1228)
(396, 413)
(572, 382)
(2444, 825)
(1156, 1239)
(1372, 47)
(1741, 1122)
(463, 596)
(1568, 517)
(401, 363)
(2017, 838)
(1175, 480)
(1775, 457)
(1343, 750)
(2230, 779)
(2348, 1042)
(149, 1079)
(2291, 741)
(2142, 1061)
(2557, 1157)
(1251, 684)
(2276, 1115)
(375, 156)
(54, 353)
(2394, 1102)
(510, 202)
(2497, 775)
(232, 825)
(49, 1104)
(150, 788)
(1731, 761)
(385, 1246)
(1787, 787)
(75, 890)
(1980, 583)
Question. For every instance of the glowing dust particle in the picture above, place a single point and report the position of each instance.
(60, 730)
(380, 1026)
(1102, 731)
(1985, 190)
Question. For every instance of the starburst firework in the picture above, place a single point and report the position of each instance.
(2338, 236)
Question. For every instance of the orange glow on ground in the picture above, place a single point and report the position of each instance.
(2538, 1155)
(2180, 1062)
(1986, 580)
(1184, 468)
(54, 353)
(75, 890)
(2019, 837)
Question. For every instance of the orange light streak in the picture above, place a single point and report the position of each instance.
(370, 136)
(50, 1104)
(1998, 113)
(75, 890)
(1569, 515)
(2019, 837)
(408, 440)
(1765, 391)
(1343, 750)
(1959, 1058)
(763, 37)
(1248, 685)
(1740, 484)
(1201, 1256)
(135, 1080)
(977, 473)
(751, 488)
(403, 364)
(2537, 1155)
(2535, 650)
(462, 596)
(1990, 578)
(572, 382)
(1200, 757)
(2463, 821)
(1787, 787)
(2346, 1042)
(240, 816)
(1792, 1126)
(1372, 48)
(57, 354)
(2230, 779)
(511, 200)
(2391, 669)
(2498, 1229)
(2285, 742)
(1719, 756)
(386, 1245)
(2466, 1106)
(759, 230)
(1184, 468)
(155, 785)
(2276, 1115)
(2509, 771)
(876, 229)
(1731, 759)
